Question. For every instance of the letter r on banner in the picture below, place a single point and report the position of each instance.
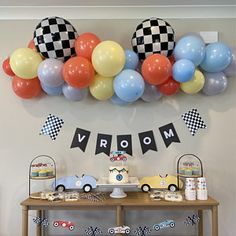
(103, 144)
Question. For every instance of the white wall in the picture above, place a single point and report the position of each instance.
(21, 122)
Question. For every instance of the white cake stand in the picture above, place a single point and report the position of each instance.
(118, 189)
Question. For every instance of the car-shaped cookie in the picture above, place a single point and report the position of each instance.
(64, 224)
(164, 224)
(85, 182)
(120, 229)
(169, 182)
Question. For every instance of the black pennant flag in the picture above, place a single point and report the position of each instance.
(169, 134)
(124, 143)
(80, 139)
(147, 141)
(103, 144)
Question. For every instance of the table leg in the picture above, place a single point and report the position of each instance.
(39, 226)
(200, 223)
(214, 220)
(24, 221)
(119, 217)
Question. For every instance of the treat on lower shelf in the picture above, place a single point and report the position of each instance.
(34, 173)
(42, 173)
(49, 172)
(188, 172)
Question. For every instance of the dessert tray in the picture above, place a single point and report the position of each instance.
(118, 189)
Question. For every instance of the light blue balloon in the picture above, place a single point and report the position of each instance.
(183, 70)
(131, 60)
(151, 93)
(129, 85)
(218, 57)
(215, 83)
(52, 91)
(50, 72)
(117, 101)
(191, 47)
(74, 94)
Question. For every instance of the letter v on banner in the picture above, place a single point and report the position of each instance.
(80, 139)
(169, 134)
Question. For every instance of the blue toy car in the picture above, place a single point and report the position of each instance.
(85, 182)
(164, 224)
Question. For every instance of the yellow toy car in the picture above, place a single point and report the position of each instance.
(169, 182)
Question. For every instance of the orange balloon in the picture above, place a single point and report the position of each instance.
(169, 87)
(7, 68)
(85, 44)
(32, 45)
(26, 88)
(78, 72)
(156, 69)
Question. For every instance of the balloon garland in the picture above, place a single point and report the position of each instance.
(59, 61)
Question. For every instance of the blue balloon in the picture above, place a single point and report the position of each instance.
(218, 57)
(117, 101)
(183, 70)
(74, 94)
(53, 91)
(131, 60)
(129, 85)
(191, 47)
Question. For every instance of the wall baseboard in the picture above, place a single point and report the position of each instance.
(118, 12)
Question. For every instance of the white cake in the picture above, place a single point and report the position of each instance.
(118, 174)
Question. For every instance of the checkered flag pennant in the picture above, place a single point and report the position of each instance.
(52, 126)
(193, 120)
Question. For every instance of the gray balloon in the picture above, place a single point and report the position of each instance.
(50, 72)
(230, 71)
(215, 83)
(151, 93)
(74, 94)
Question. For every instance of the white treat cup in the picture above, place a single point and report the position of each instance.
(202, 195)
(190, 195)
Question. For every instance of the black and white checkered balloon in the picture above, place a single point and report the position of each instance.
(54, 37)
(153, 35)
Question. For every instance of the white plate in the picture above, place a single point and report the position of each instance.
(103, 182)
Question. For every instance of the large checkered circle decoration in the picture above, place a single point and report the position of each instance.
(54, 37)
(152, 36)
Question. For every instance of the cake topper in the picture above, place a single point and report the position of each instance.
(118, 156)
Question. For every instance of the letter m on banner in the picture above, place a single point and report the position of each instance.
(169, 134)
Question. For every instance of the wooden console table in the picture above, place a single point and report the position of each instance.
(134, 200)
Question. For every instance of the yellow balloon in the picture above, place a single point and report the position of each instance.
(102, 87)
(108, 58)
(24, 63)
(195, 84)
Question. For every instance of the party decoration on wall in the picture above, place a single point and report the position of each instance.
(41, 221)
(93, 231)
(119, 230)
(59, 62)
(52, 126)
(124, 143)
(142, 231)
(153, 35)
(192, 220)
(164, 224)
(193, 121)
(54, 37)
(147, 141)
(64, 224)
(80, 139)
(169, 134)
(103, 144)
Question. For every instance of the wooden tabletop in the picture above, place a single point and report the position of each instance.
(134, 199)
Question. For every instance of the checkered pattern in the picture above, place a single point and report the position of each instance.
(54, 37)
(41, 221)
(193, 120)
(152, 36)
(52, 126)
